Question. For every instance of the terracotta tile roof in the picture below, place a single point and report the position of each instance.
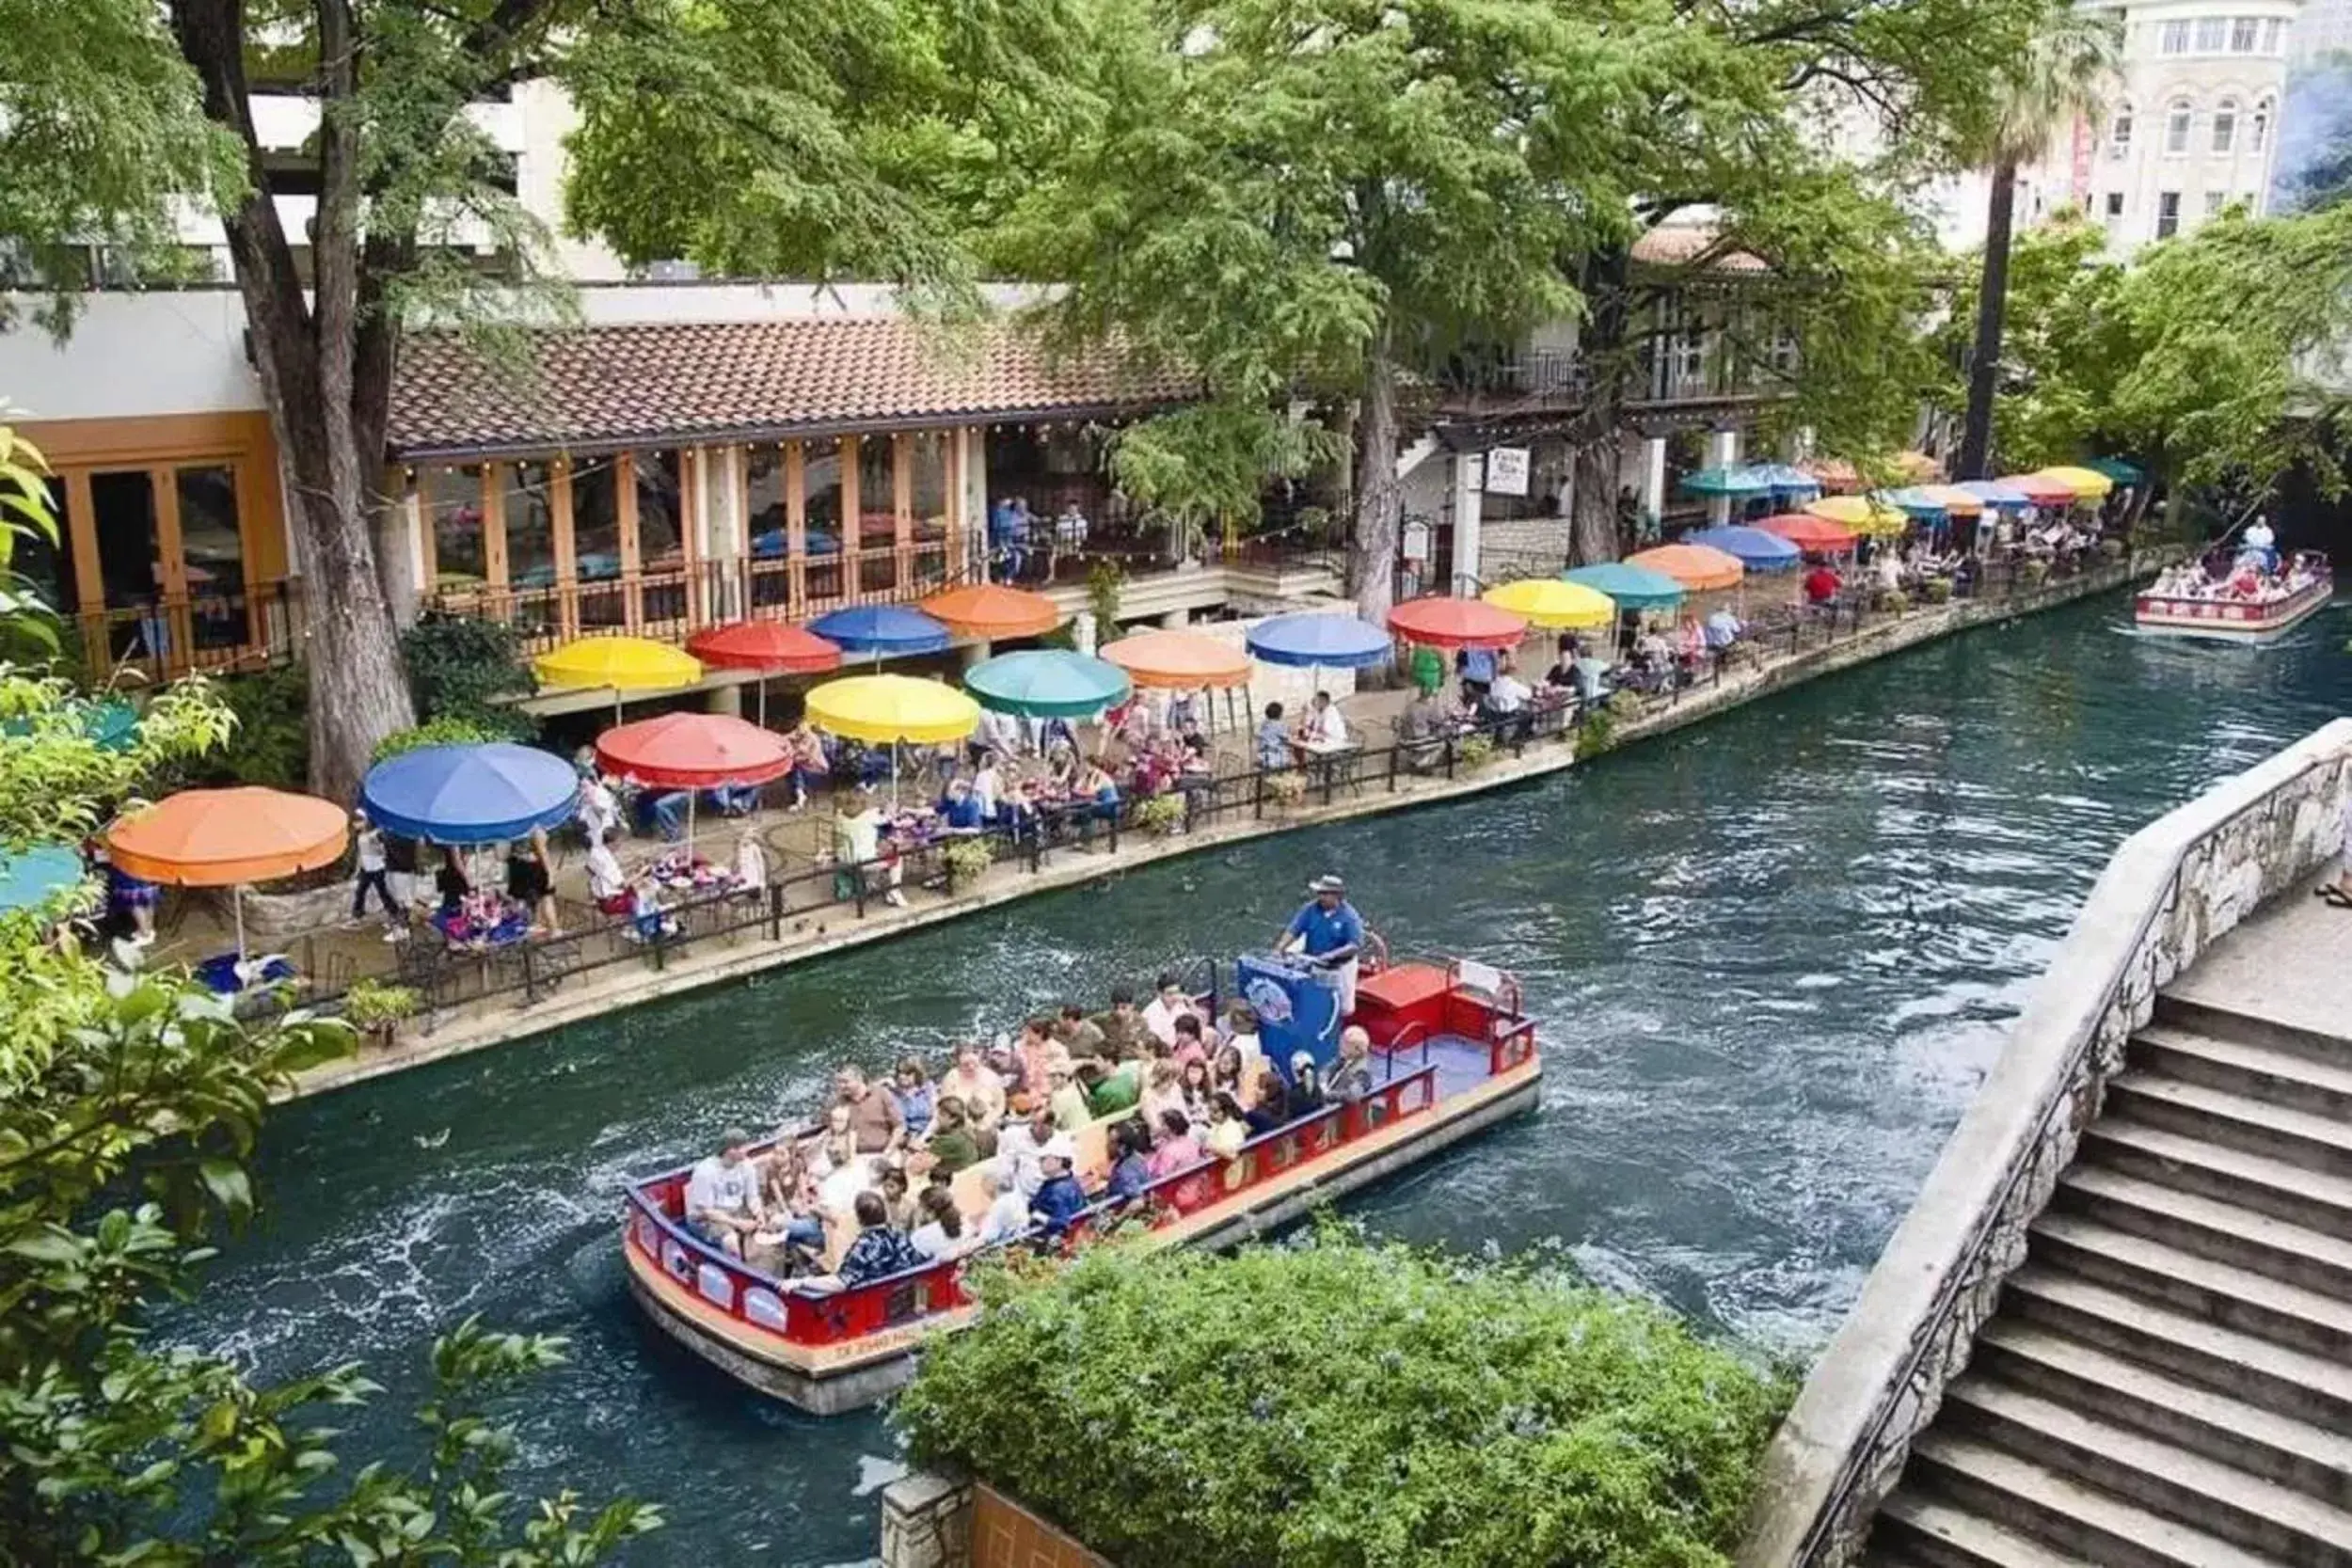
(1673, 245)
(603, 387)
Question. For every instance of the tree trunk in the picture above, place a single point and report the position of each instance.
(306, 357)
(1984, 364)
(1593, 508)
(1379, 500)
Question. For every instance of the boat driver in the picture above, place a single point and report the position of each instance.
(1329, 934)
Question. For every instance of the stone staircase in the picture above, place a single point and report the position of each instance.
(2167, 1381)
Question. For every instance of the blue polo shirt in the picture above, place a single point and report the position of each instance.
(1327, 931)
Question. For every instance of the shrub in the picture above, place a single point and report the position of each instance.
(1473, 752)
(1597, 734)
(968, 858)
(463, 667)
(1894, 601)
(1104, 580)
(1625, 704)
(1939, 591)
(2111, 549)
(437, 732)
(1161, 814)
(1287, 788)
(272, 742)
(2034, 572)
(1342, 1404)
(373, 1007)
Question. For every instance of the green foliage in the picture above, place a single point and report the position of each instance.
(1938, 590)
(2060, 346)
(370, 1003)
(273, 737)
(1287, 788)
(969, 858)
(2033, 572)
(1343, 1405)
(466, 669)
(1104, 579)
(1624, 706)
(1161, 814)
(438, 731)
(1473, 752)
(1894, 601)
(1596, 733)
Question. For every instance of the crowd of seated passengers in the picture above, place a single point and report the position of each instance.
(1176, 1088)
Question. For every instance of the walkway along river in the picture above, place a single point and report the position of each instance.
(1772, 954)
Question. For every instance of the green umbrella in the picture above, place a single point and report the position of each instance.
(2117, 470)
(1047, 683)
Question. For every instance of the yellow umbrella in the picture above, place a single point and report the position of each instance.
(1860, 513)
(618, 664)
(884, 708)
(1553, 604)
(2088, 484)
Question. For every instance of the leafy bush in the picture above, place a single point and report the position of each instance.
(1625, 704)
(2034, 572)
(272, 743)
(1104, 582)
(968, 858)
(1343, 1405)
(1894, 601)
(1597, 734)
(371, 1004)
(1288, 787)
(437, 732)
(1160, 814)
(463, 667)
(1473, 752)
(1938, 590)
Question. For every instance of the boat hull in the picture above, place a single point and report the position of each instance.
(2228, 620)
(833, 1379)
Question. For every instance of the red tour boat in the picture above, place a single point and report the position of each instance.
(1452, 1053)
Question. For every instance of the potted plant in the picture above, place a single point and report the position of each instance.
(1625, 704)
(968, 858)
(1162, 815)
(1938, 591)
(1286, 788)
(1473, 752)
(1894, 601)
(1597, 734)
(2034, 572)
(375, 1009)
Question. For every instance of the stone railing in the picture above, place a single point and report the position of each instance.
(2172, 890)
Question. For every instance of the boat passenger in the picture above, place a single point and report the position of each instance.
(1005, 1062)
(941, 1234)
(1131, 1173)
(1008, 1214)
(1192, 1080)
(897, 1199)
(1078, 1034)
(1329, 933)
(1241, 1032)
(1190, 1044)
(1058, 1198)
(952, 1146)
(1229, 1129)
(1351, 1075)
(912, 1088)
(842, 1172)
(1161, 1093)
(1176, 1148)
(1067, 1100)
(1306, 1091)
(1168, 1004)
(723, 1194)
(1109, 1090)
(1271, 1108)
(874, 1119)
(979, 1090)
(1018, 1145)
(1036, 1050)
(1123, 1028)
(1225, 1076)
(879, 1250)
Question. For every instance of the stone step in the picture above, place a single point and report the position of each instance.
(2285, 1078)
(2309, 1198)
(2274, 1377)
(2170, 1482)
(2221, 1023)
(1930, 1533)
(2234, 1297)
(2031, 1499)
(2210, 1228)
(2258, 1127)
(2144, 1399)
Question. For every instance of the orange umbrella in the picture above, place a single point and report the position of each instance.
(1834, 473)
(1918, 466)
(1811, 534)
(1177, 660)
(1954, 499)
(228, 837)
(992, 609)
(1695, 566)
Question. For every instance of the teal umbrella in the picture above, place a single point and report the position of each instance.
(1739, 481)
(114, 724)
(30, 878)
(1047, 683)
(1633, 587)
(2125, 474)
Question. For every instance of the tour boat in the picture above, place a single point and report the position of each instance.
(2277, 605)
(1453, 1052)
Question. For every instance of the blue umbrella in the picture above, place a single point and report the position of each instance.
(1047, 683)
(1754, 549)
(1785, 480)
(1633, 587)
(1735, 481)
(30, 878)
(1309, 642)
(482, 793)
(1913, 503)
(880, 629)
(1997, 495)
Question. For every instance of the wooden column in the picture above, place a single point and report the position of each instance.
(494, 571)
(795, 531)
(852, 522)
(955, 503)
(902, 509)
(81, 521)
(625, 504)
(692, 525)
(428, 535)
(567, 549)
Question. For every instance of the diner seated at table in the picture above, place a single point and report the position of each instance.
(450, 883)
(649, 918)
(608, 884)
(1323, 731)
(1724, 628)
(1273, 741)
(988, 785)
(1822, 586)
(960, 810)
(858, 850)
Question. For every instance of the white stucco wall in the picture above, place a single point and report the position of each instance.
(180, 352)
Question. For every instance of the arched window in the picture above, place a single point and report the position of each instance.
(2120, 129)
(2178, 117)
(2225, 126)
(2258, 132)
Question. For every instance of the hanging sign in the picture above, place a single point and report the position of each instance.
(1506, 471)
(1415, 544)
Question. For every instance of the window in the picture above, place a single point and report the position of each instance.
(2178, 117)
(2214, 200)
(2167, 215)
(2212, 32)
(529, 508)
(661, 509)
(2243, 30)
(596, 523)
(2175, 37)
(2274, 34)
(763, 500)
(451, 499)
(820, 492)
(2120, 129)
(2225, 125)
(927, 473)
(2258, 132)
(2115, 204)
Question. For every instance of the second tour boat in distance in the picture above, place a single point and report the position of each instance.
(2246, 603)
(1452, 1051)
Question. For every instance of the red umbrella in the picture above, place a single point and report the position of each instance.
(770, 647)
(693, 751)
(1811, 534)
(1441, 622)
(2042, 491)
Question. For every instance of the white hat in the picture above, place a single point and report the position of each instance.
(1061, 1148)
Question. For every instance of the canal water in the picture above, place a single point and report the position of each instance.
(1772, 957)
